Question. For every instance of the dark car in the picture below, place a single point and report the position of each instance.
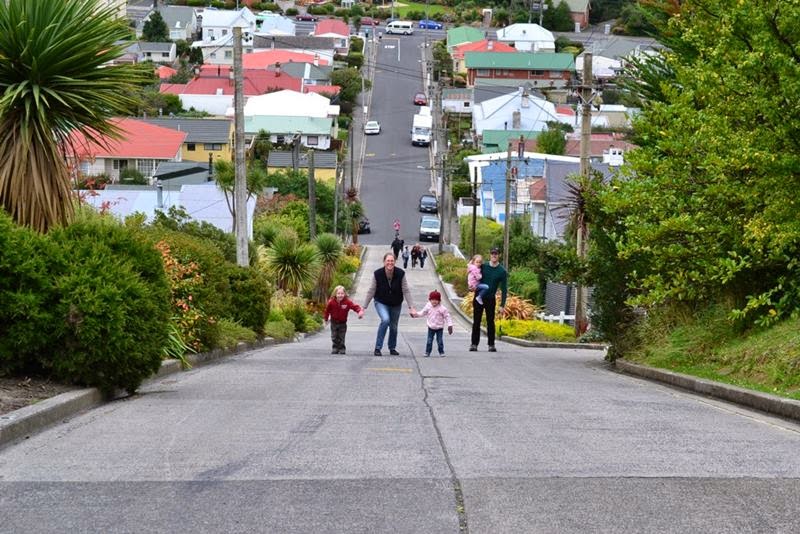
(426, 24)
(428, 204)
(420, 99)
(308, 17)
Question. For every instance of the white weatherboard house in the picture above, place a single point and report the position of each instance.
(217, 33)
(288, 103)
(520, 110)
(528, 38)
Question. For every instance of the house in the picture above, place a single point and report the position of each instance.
(457, 100)
(157, 52)
(205, 138)
(268, 58)
(269, 23)
(545, 71)
(142, 146)
(337, 30)
(498, 140)
(579, 11)
(324, 47)
(324, 163)
(309, 73)
(519, 110)
(180, 20)
(463, 34)
(604, 69)
(482, 93)
(313, 132)
(291, 104)
(484, 45)
(204, 202)
(211, 90)
(216, 27)
(528, 38)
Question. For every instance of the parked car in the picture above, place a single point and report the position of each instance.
(420, 99)
(363, 226)
(372, 128)
(307, 17)
(429, 228)
(369, 21)
(428, 204)
(427, 24)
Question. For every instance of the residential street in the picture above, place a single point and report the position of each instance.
(292, 439)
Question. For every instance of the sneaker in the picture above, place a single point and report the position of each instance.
(492, 349)
(473, 348)
(441, 355)
(335, 351)
(394, 352)
(479, 300)
(341, 351)
(377, 352)
(427, 354)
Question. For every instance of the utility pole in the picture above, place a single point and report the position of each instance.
(240, 176)
(509, 177)
(295, 153)
(312, 197)
(352, 164)
(336, 179)
(586, 137)
(442, 203)
(474, 208)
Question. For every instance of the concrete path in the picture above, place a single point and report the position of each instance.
(293, 439)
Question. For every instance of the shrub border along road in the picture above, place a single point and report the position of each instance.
(772, 404)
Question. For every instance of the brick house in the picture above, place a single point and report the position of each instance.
(543, 70)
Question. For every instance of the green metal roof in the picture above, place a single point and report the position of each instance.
(276, 124)
(497, 140)
(519, 61)
(463, 34)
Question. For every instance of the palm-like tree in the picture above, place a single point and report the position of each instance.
(329, 250)
(356, 211)
(55, 78)
(293, 264)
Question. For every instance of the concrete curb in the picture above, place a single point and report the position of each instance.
(26, 421)
(765, 402)
(508, 339)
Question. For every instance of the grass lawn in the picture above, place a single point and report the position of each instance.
(401, 9)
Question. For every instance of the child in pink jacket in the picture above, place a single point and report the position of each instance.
(438, 318)
(474, 277)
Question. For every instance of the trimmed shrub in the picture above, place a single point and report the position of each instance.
(525, 283)
(536, 330)
(282, 329)
(112, 317)
(250, 297)
(27, 297)
(231, 333)
(488, 233)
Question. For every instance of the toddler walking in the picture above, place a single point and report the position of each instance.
(438, 318)
(336, 310)
(474, 277)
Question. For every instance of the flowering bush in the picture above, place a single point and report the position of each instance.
(184, 279)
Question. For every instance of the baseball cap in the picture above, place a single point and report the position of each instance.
(494, 250)
(435, 295)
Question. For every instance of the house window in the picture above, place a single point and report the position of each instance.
(280, 139)
(165, 54)
(147, 166)
(466, 104)
(213, 55)
(555, 74)
(312, 140)
(212, 146)
(84, 167)
(190, 147)
(536, 73)
(228, 54)
(483, 72)
(119, 164)
(224, 32)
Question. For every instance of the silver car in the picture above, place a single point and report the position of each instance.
(429, 228)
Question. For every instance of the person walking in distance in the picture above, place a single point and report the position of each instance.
(414, 255)
(389, 288)
(397, 246)
(437, 318)
(423, 255)
(495, 277)
(336, 310)
(406, 255)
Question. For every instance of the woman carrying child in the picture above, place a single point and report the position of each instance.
(336, 310)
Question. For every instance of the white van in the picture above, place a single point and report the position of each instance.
(400, 26)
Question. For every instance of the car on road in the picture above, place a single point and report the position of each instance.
(427, 24)
(369, 21)
(428, 204)
(429, 228)
(372, 128)
(420, 99)
(306, 17)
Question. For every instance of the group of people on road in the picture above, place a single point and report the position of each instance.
(417, 254)
(389, 289)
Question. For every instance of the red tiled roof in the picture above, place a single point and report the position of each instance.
(565, 110)
(139, 140)
(327, 89)
(215, 79)
(266, 58)
(332, 26)
(481, 46)
(165, 72)
(538, 189)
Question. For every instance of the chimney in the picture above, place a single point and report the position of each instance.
(277, 70)
(490, 45)
(219, 71)
(525, 99)
(516, 120)
(316, 60)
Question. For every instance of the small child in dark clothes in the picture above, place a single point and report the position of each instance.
(336, 310)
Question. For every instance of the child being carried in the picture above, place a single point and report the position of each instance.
(474, 277)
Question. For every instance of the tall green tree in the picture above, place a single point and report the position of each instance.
(155, 30)
(552, 142)
(56, 78)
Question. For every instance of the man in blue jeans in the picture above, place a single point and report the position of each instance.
(389, 288)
